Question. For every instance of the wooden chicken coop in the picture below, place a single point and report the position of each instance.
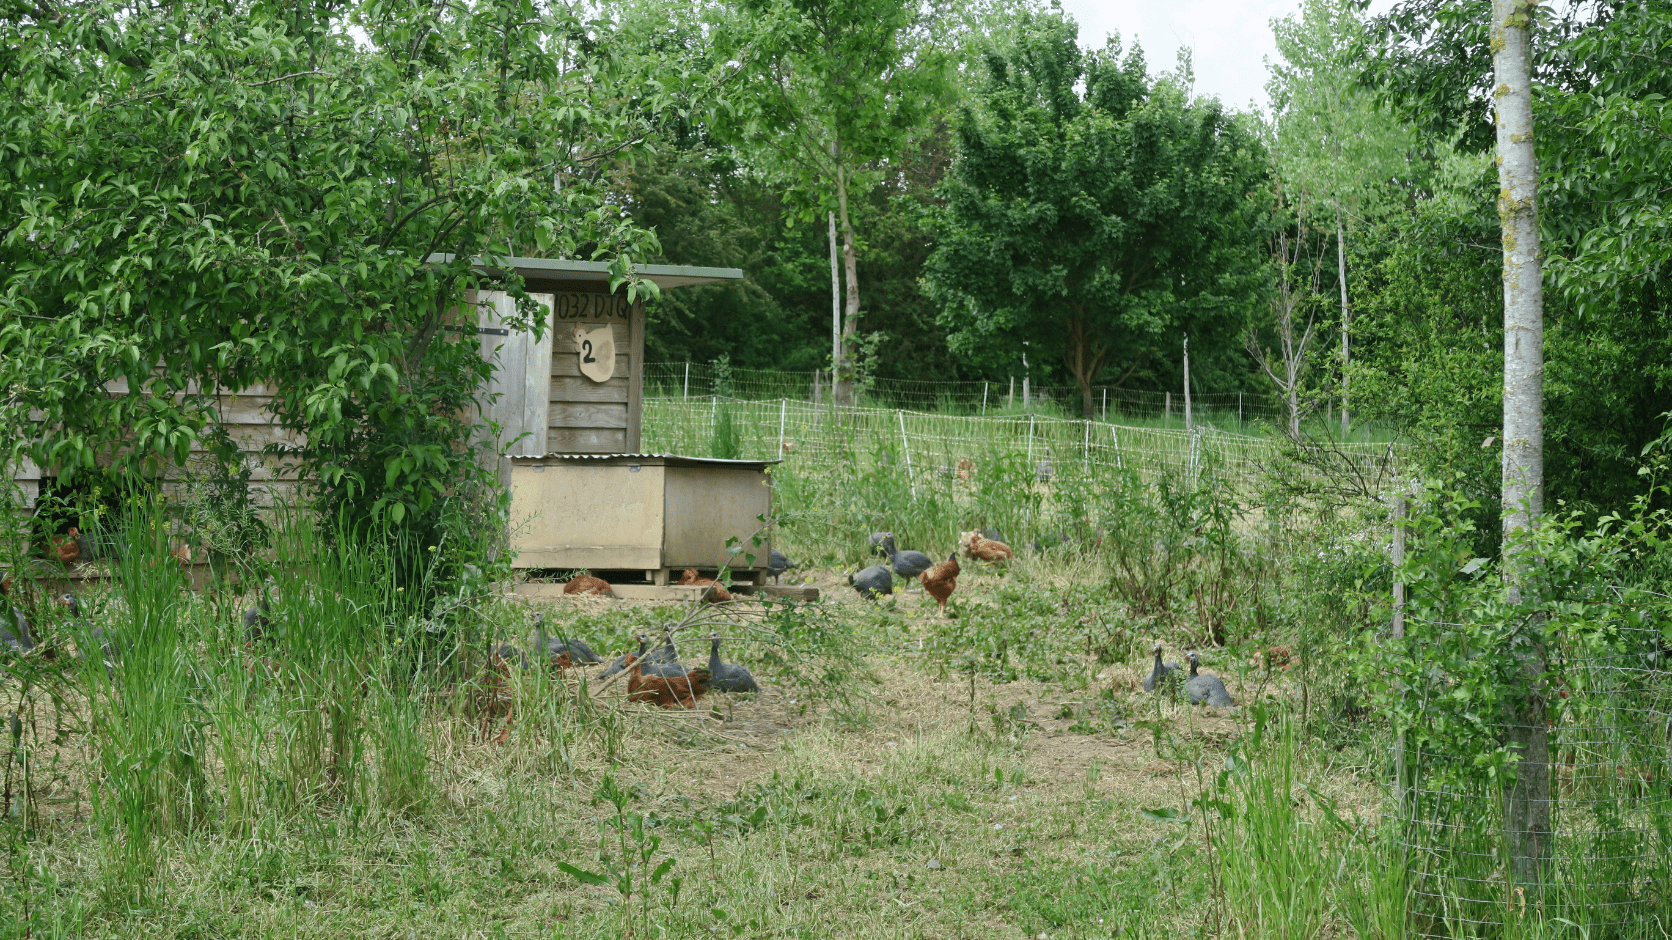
(570, 410)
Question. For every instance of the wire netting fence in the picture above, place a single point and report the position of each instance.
(1609, 872)
(936, 446)
(697, 380)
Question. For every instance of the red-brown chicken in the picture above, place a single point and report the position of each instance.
(980, 548)
(718, 595)
(66, 548)
(585, 583)
(941, 580)
(667, 692)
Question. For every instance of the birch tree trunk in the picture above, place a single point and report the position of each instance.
(835, 307)
(1341, 268)
(850, 264)
(1527, 802)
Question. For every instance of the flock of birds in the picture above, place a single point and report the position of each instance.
(655, 675)
(938, 580)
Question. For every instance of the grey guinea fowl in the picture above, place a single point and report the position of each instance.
(877, 541)
(873, 582)
(257, 622)
(663, 660)
(907, 564)
(727, 677)
(18, 639)
(620, 662)
(777, 563)
(1205, 688)
(1162, 674)
(106, 640)
(579, 652)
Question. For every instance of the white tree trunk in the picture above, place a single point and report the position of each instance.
(1527, 804)
(850, 263)
(835, 304)
(1341, 269)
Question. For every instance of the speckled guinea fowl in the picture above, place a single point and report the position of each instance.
(873, 582)
(1162, 675)
(1206, 688)
(727, 677)
(906, 563)
(777, 563)
(663, 660)
(555, 646)
(876, 542)
(621, 662)
(17, 639)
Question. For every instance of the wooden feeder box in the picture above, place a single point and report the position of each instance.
(655, 514)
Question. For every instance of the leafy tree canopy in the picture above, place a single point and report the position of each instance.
(1095, 214)
(209, 194)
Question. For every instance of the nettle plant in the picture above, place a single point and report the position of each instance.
(1459, 677)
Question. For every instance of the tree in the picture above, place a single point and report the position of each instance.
(1093, 213)
(834, 90)
(1527, 805)
(206, 195)
(1336, 151)
(1297, 256)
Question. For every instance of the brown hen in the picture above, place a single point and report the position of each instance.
(980, 548)
(585, 583)
(941, 580)
(666, 692)
(718, 595)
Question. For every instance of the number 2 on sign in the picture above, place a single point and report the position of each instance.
(596, 346)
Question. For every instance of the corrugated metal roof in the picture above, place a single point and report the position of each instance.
(559, 269)
(674, 460)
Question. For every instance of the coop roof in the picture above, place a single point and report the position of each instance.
(667, 460)
(535, 270)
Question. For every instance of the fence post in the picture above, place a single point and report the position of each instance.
(905, 448)
(983, 398)
(816, 374)
(1169, 407)
(1187, 383)
(1105, 403)
(687, 380)
(783, 409)
(1113, 436)
(1401, 507)
(1010, 402)
(713, 411)
(1239, 411)
(1085, 446)
(1030, 432)
(1027, 393)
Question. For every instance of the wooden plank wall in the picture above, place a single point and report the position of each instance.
(517, 397)
(588, 417)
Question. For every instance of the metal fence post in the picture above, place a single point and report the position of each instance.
(687, 381)
(905, 448)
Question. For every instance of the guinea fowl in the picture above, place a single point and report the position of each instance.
(907, 564)
(18, 639)
(1206, 688)
(777, 563)
(257, 622)
(626, 659)
(727, 677)
(1163, 674)
(941, 580)
(106, 640)
(873, 582)
(585, 583)
(715, 593)
(572, 647)
(877, 542)
(663, 660)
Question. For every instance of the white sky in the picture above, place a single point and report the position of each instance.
(1231, 39)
